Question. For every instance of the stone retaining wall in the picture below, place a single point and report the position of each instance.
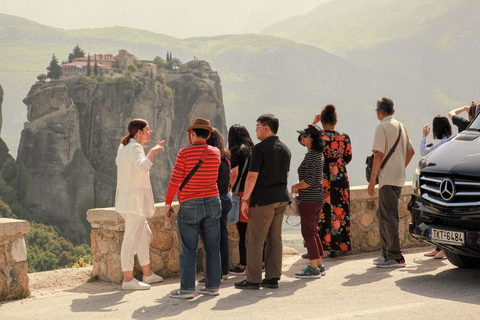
(108, 227)
(13, 256)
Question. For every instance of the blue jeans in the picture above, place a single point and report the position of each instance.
(200, 217)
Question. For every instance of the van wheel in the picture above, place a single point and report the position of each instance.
(462, 261)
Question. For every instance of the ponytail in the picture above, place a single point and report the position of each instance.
(133, 127)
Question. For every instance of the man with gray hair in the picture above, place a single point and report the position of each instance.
(391, 179)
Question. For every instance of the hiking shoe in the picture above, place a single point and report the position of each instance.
(180, 294)
(322, 270)
(305, 256)
(390, 263)
(270, 283)
(379, 259)
(309, 273)
(237, 270)
(134, 284)
(209, 292)
(153, 278)
(247, 285)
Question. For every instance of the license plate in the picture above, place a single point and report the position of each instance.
(447, 236)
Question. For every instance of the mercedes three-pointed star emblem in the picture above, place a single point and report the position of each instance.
(447, 189)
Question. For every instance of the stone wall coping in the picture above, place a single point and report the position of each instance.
(109, 214)
(359, 193)
(12, 226)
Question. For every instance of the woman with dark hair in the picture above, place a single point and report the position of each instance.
(223, 181)
(442, 130)
(334, 223)
(310, 199)
(473, 109)
(241, 146)
(134, 201)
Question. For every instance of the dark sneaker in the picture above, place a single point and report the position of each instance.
(237, 270)
(210, 292)
(180, 294)
(305, 256)
(322, 270)
(390, 263)
(247, 285)
(309, 273)
(270, 283)
(202, 280)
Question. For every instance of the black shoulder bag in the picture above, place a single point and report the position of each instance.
(369, 161)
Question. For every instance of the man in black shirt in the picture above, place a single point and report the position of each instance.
(265, 199)
(461, 122)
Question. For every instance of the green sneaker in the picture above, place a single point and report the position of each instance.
(309, 273)
(322, 270)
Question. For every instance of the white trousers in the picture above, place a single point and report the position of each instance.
(136, 240)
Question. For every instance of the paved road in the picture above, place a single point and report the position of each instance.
(352, 289)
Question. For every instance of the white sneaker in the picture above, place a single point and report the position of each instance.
(135, 285)
(153, 278)
(210, 292)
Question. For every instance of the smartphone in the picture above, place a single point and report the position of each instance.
(169, 213)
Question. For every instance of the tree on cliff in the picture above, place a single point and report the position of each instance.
(89, 70)
(54, 69)
(159, 62)
(76, 53)
(95, 67)
(176, 63)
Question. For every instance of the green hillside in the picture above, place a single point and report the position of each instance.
(341, 26)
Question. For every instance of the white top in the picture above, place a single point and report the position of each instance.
(386, 133)
(424, 150)
(134, 190)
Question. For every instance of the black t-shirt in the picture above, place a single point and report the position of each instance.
(271, 159)
(238, 160)
(460, 122)
(223, 176)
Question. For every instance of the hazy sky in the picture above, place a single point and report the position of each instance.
(178, 18)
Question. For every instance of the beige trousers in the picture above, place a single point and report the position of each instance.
(136, 240)
(265, 224)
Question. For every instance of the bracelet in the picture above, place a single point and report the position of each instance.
(245, 200)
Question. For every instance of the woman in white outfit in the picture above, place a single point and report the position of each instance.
(442, 130)
(134, 201)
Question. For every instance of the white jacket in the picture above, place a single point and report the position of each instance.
(134, 190)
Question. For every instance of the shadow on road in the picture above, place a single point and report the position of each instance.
(454, 284)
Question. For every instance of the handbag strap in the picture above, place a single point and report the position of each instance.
(199, 163)
(241, 176)
(393, 148)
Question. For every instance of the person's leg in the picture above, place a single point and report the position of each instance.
(388, 210)
(242, 232)
(143, 250)
(274, 246)
(210, 229)
(224, 252)
(188, 226)
(309, 213)
(259, 222)
(134, 227)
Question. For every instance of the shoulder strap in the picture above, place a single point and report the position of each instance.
(241, 176)
(199, 163)
(393, 148)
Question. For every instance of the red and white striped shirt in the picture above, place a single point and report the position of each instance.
(203, 183)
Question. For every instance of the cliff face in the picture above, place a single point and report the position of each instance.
(70, 144)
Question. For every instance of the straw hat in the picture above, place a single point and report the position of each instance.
(200, 123)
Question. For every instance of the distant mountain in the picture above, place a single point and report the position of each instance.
(341, 26)
(259, 74)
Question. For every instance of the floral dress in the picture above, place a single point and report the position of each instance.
(334, 222)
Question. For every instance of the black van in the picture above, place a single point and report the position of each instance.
(445, 204)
